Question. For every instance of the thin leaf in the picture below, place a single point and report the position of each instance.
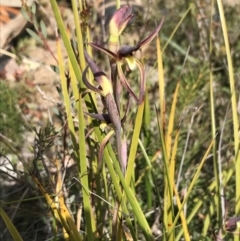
(35, 22)
(233, 104)
(11, 228)
(177, 27)
(171, 120)
(183, 219)
(34, 35)
(202, 200)
(56, 111)
(193, 182)
(88, 208)
(134, 143)
(25, 14)
(43, 29)
(55, 68)
(34, 7)
(142, 82)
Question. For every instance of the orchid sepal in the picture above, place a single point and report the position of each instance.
(99, 76)
(120, 20)
(104, 50)
(151, 36)
(101, 117)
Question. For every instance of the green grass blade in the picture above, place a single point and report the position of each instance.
(83, 176)
(65, 38)
(11, 228)
(234, 107)
(200, 202)
(134, 143)
(191, 186)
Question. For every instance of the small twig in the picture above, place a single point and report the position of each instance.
(90, 192)
(220, 165)
(6, 138)
(45, 97)
(186, 145)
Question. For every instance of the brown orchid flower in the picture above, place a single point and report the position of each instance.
(108, 88)
(125, 53)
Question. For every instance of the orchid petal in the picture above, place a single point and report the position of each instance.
(101, 117)
(126, 50)
(131, 61)
(151, 36)
(104, 50)
(125, 82)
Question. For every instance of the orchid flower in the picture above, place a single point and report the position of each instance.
(125, 53)
(108, 88)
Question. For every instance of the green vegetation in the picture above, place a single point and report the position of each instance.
(12, 124)
(157, 156)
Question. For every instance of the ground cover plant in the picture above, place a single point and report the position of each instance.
(151, 135)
